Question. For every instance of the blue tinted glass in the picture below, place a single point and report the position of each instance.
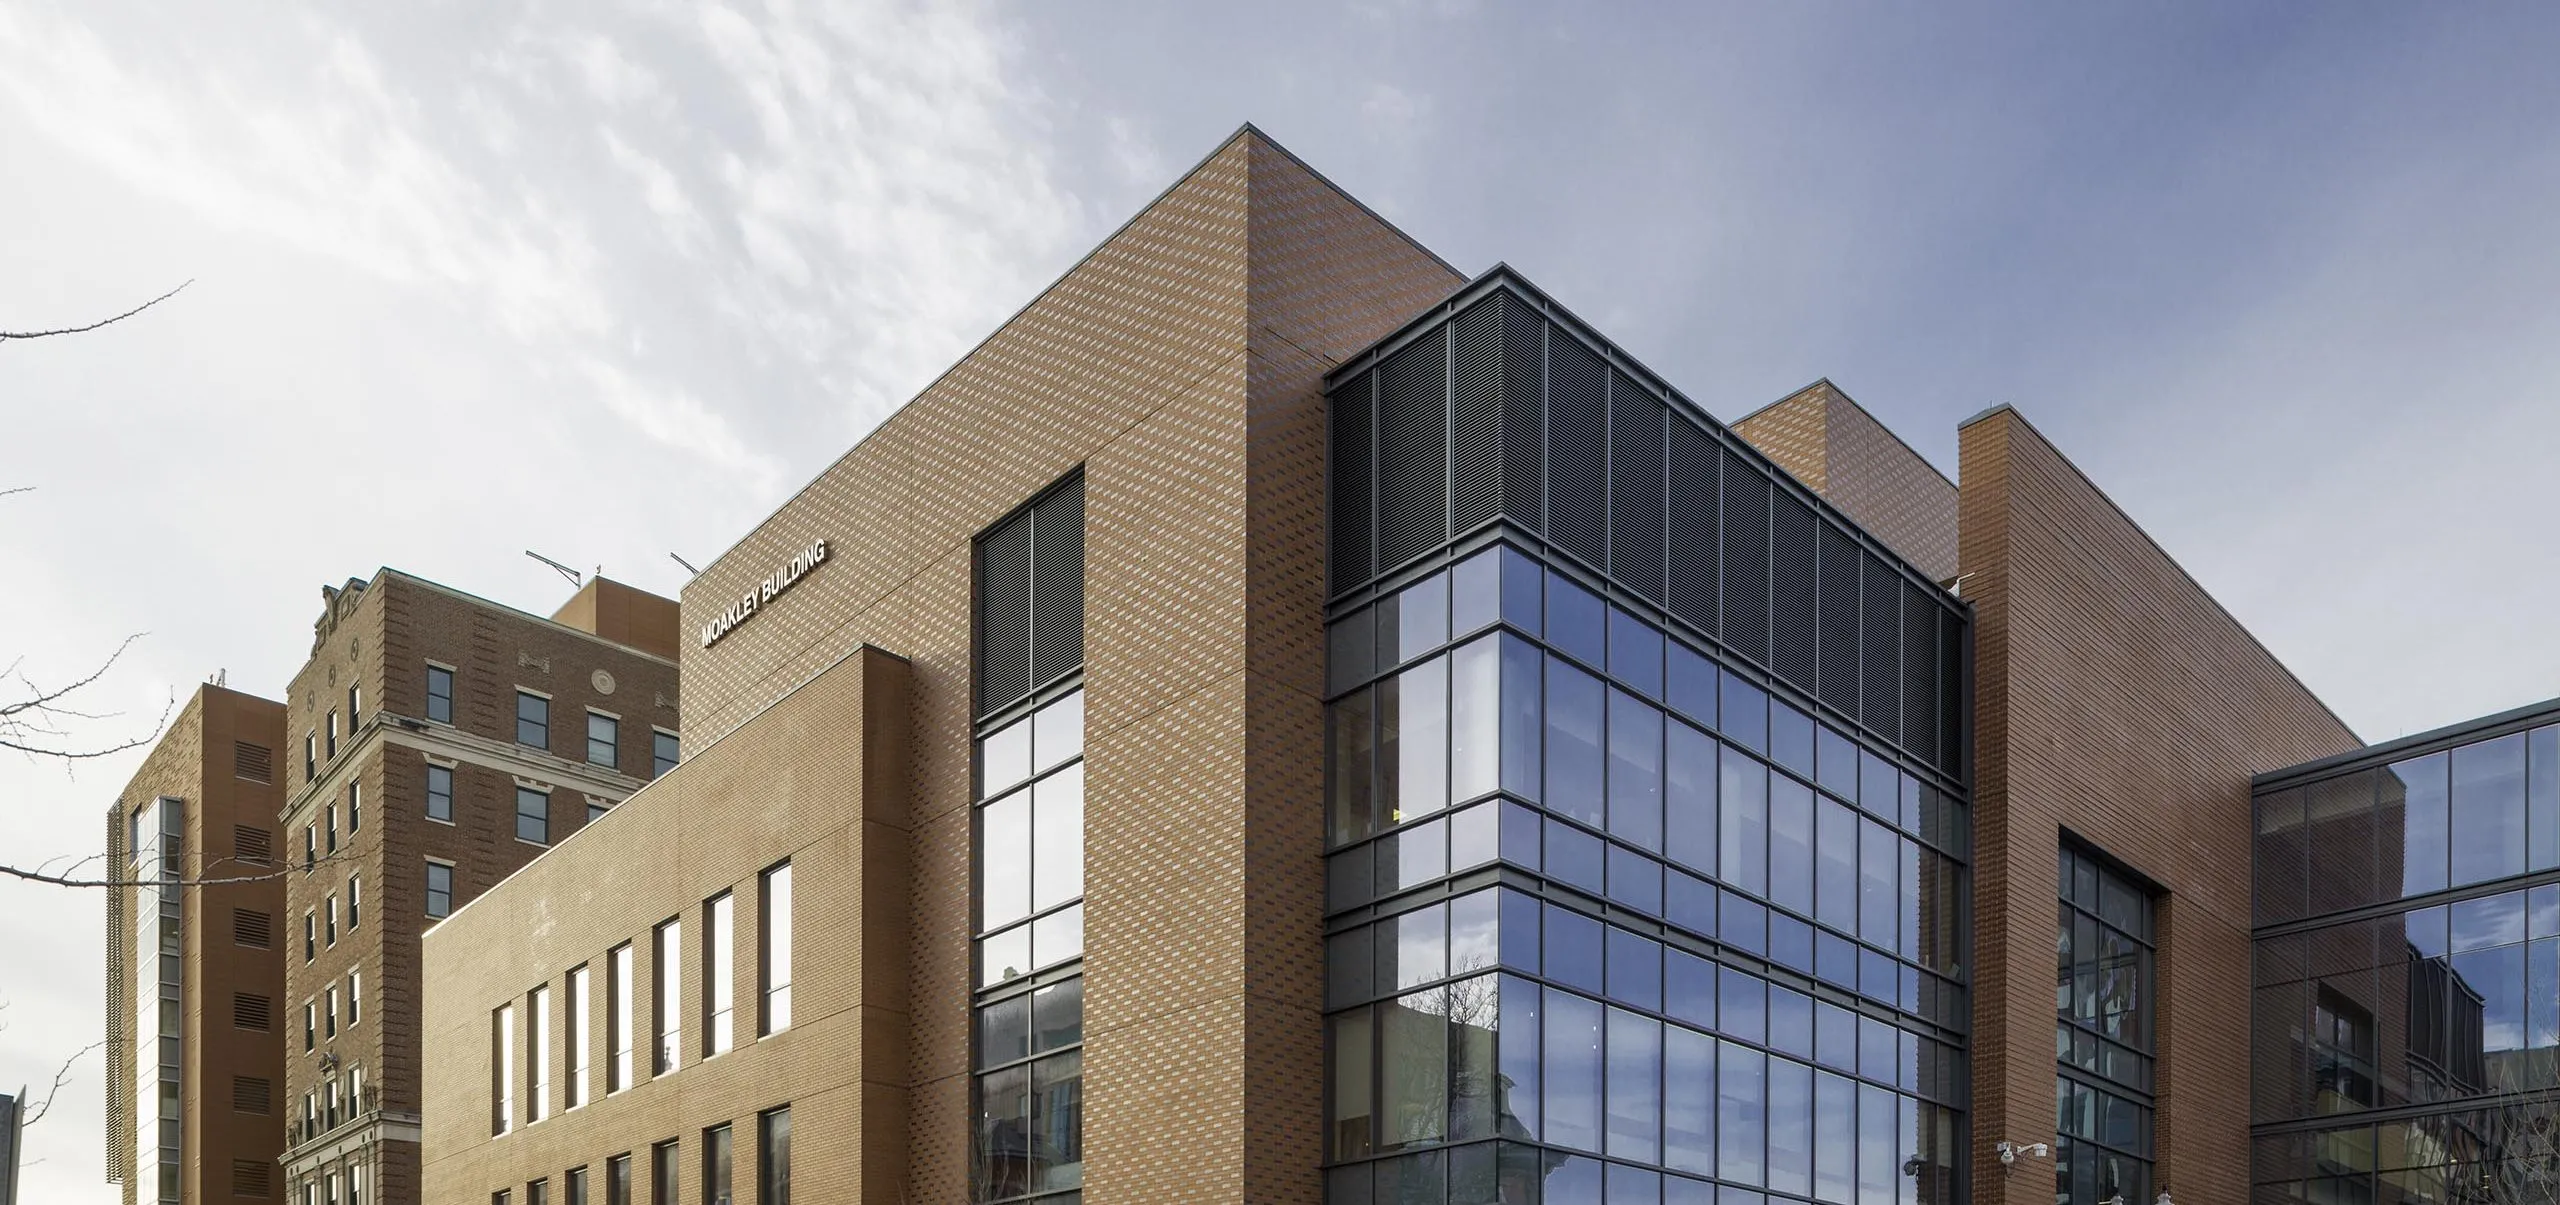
(1521, 829)
(1910, 988)
(2495, 921)
(1689, 902)
(1577, 621)
(1791, 739)
(1421, 854)
(1879, 786)
(1688, 1104)
(1475, 592)
(2413, 799)
(1906, 1061)
(1635, 654)
(1879, 979)
(1635, 1088)
(1836, 762)
(1573, 1071)
(1520, 1009)
(1836, 866)
(1419, 950)
(1475, 932)
(1523, 717)
(2426, 929)
(2544, 911)
(1879, 860)
(1689, 798)
(1745, 923)
(1629, 1185)
(1835, 1037)
(1422, 617)
(1742, 1006)
(1681, 1190)
(1690, 684)
(1790, 1022)
(2488, 811)
(2542, 798)
(1790, 844)
(1520, 931)
(1475, 719)
(1635, 880)
(1635, 969)
(1574, 754)
(1791, 1127)
(1911, 817)
(1835, 960)
(1570, 1180)
(1835, 1147)
(1635, 770)
(1522, 581)
(1573, 946)
(1689, 988)
(1742, 803)
(1575, 857)
(1790, 942)
(1474, 836)
(1877, 1049)
(1741, 1109)
(1744, 718)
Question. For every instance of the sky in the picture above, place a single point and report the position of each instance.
(609, 282)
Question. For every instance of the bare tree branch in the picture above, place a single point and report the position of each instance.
(74, 330)
(28, 1117)
(17, 489)
(40, 875)
(36, 722)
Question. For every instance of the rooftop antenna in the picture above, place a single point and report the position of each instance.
(562, 570)
(688, 565)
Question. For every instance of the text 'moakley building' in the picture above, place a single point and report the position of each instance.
(1283, 721)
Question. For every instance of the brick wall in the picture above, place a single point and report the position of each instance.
(2116, 700)
(1835, 447)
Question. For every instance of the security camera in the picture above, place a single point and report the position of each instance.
(2009, 1151)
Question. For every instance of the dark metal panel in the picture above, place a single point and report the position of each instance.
(1636, 516)
(1413, 450)
(1477, 426)
(1792, 609)
(1746, 558)
(1880, 648)
(1578, 452)
(1695, 547)
(1057, 582)
(1524, 412)
(1004, 613)
(1837, 622)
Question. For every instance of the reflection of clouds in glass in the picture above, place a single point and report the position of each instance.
(2498, 977)
(2495, 921)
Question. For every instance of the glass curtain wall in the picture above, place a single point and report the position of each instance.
(1611, 923)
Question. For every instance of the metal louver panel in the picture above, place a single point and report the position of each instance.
(1694, 544)
(1477, 416)
(1746, 558)
(1413, 450)
(1578, 451)
(1057, 582)
(1836, 625)
(119, 1034)
(1880, 648)
(1352, 469)
(1004, 614)
(1919, 673)
(1635, 487)
(1524, 410)
(1791, 589)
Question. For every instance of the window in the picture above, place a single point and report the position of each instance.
(719, 972)
(1029, 1095)
(773, 1156)
(662, 751)
(440, 793)
(533, 720)
(332, 927)
(662, 1174)
(537, 1192)
(329, 1011)
(715, 1165)
(596, 808)
(577, 1186)
(355, 807)
(617, 1180)
(310, 936)
(355, 902)
(502, 1066)
(533, 815)
(331, 814)
(333, 736)
(355, 709)
(537, 1016)
(310, 757)
(2102, 1001)
(573, 1033)
(773, 958)
(439, 694)
(310, 1025)
(666, 999)
(603, 740)
(355, 997)
(499, 1197)
(617, 1018)
(310, 847)
(439, 889)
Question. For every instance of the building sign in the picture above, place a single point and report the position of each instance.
(774, 585)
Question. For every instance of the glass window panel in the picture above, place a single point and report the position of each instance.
(1791, 844)
(1004, 876)
(1004, 1031)
(1688, 1101)
(1351, 761)
(1475, 932)
(1878, 1163)
(1790, 1022)
(1057, 1120)
(1415, 730)
(1522, 580)
(1836, 870)
(1413, 1058)
(1350, 963)
(1350, 649)
(1577, 621)
(1689, 988)
(1635, 654)
(1416, 1179)
(1349, 1126)
(1419, 952)
(2424, 840)
(1790, 1127)
(1570, 1180)
(2492, 921)
(1347, 876)
(1520, 923)
(1743, 1006)
(1741, 1111)
(2497, 977)
(1573, 949)
(2542, 1003)
(1635, 880)
(1475, 591)
(1516, 1050)
(1635, 770)
(1573, 1071)
(1633, 1186)
(1474, 836)
(1574, 753)
(1877, 1049)
(2542, 798)
(1420, 854)
(1004, 956)
(1744, 716)
(1058, 731)
(1836, 762)
(1690, 684)
(1523, 718)
(1906, 905)
(1057, 1015)
(1743, 801)
(1835, 1147)
(1004, 1133)
(1879, 977)
(2426, 931)
(1835, 1042)
(1474, 1018)
(1791, 739)
(1835, 960)
(1635, 968)
(1744, 924)
(2488, 810)
(1004, 758)
(1475, 719)
(2542, 911)
(1878, 855)
(1879, 787)
(1689, 798)
(1635, 1087)
(1576, 857)
(1057, 838)
(1422, 617)
(1690, 902)
(1523, 831)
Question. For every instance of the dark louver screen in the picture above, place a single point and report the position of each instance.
(1635, 487)
(1746, 558)
(1030, 613)
(1413, 450)
(1836, 621)
(1353, 467)
(1476, 425)
(1791, 542)
(1578, 452)
(1695, 550)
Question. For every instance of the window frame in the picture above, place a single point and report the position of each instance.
(448, 674)
(523, 791)
(612, 739)
(433, 865)
(541, 725)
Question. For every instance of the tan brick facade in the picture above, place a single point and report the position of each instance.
(1834, 446)
(230, 815)
(2116, 701)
